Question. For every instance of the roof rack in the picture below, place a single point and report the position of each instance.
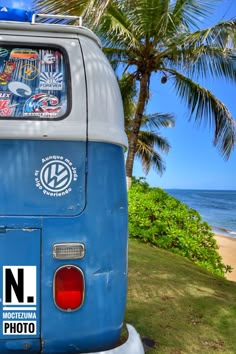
(19, 15)
(56, 17)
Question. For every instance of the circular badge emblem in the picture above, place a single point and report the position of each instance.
(56, 176)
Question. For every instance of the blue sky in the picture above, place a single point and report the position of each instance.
(193, 162)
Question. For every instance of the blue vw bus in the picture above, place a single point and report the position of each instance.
(63, 203)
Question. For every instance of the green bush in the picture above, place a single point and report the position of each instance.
(160, 219)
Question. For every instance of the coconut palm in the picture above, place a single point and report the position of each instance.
(149, 140)
(163, 39)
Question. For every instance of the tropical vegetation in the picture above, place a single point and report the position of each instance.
(164, 40)
(159, 219)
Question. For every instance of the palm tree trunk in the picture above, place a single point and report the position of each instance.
(143, 95)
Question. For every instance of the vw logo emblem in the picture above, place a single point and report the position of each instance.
(56, 176)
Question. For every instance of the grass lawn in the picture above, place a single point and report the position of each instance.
(179, 305)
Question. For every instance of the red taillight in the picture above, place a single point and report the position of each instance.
(68, 288)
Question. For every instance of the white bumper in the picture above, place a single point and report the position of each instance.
(133, 345)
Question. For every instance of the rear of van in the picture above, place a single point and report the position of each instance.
(63, 203)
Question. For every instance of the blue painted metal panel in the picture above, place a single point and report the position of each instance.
(20, 290)
(102, 227)
(17, 346)
(42, 177)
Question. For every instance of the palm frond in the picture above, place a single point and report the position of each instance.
(204, 61)
(71, 7)
(205, 108)
(114, 27)
(149, 158)
(91, 10)
(155, 121)
(154, 140)
(217, 63)
(221, 36)
(94, 10)
(189, 13)
(117, 56)
(149, 17)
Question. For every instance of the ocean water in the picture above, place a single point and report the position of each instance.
(216, 207)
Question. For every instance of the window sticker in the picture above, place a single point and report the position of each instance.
(42, 105)
(3, 52)
(5, 108)
(24, 53)
(7, 72)
(51, 81)
(33, 83)
(19, 88)
(28, 72)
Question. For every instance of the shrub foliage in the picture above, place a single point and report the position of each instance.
(160, 219)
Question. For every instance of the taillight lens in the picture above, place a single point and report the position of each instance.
(69, 288)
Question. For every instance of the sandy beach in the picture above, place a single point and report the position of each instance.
(227, 250)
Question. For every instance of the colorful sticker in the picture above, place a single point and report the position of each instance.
(28, 72)
(51, 81)
(42, 105)
(24, 53)
(48, 59)
(19, 89)
(4, 52)
(6, 108)
(6, 74)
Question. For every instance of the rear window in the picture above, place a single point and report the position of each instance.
(33, 83)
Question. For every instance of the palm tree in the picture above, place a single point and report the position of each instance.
(163, 39)
(149, 139)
